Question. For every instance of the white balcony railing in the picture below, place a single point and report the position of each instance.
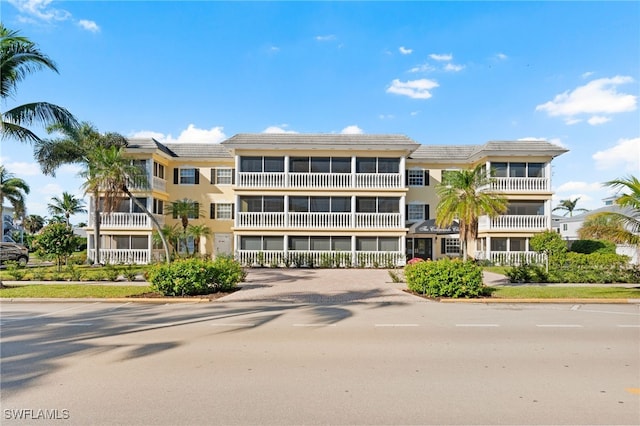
(514, 222)
(159, 184)
(118, 220)
(520, 184)
(317, 258)
(510, 258)
(121, 256)
(319, 180)
(320, 220)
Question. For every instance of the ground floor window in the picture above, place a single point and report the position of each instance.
(377, 244)
(451, 246)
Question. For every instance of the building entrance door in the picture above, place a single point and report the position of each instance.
(420, 247)
(222, 244)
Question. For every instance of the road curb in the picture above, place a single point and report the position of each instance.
(539, 301)
(157, 300)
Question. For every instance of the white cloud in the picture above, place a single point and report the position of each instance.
(278, 129)
(72, 169)
(405, 50)
(572, 121)
(328, 37)
(20, 169)
(595, 98)
(587, 74)
(598, 119)
(414, 113)
(89, 25)
(352, 130)
(623, 157)
(190, 135)
(41, 9)
(422, 68)
(51, 189)
(416, 89)
(386, 116)
(501, 56)
(441, 57)
(579, 186)
(453, 67)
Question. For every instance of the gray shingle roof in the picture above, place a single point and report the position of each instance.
(320, 141)
(184, 150)
(466, 153)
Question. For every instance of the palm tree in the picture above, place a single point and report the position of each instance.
(33, 223)
(602, 226)
(74, 146)
(109, 173)
(184, 209)
(171, 234)
(197, 232)
(627, 220)
(463, 198)
(569, 206)
(67, 206)
(12, 189)
(20, 57)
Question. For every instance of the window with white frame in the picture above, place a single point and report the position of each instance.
(221, 211)
(417, 212)
(222, 176)
(451, 246)
(417, 177)
(188, 176)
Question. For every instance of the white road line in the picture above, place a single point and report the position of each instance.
(65, 310)
(609, 312)
(559, 325)
(575, 307)
(314, 325)
(396, 325)
(477, 325)
(233, 325)
(69, 324)
(629, 325)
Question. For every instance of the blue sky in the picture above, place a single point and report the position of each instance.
(440, 73)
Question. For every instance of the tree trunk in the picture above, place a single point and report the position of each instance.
(96, 228)
(153, 220)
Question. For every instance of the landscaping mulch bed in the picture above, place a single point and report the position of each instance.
(210, 296)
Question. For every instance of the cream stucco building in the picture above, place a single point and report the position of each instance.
(328, 199)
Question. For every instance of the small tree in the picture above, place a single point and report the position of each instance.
(56, 240)
(551, 244)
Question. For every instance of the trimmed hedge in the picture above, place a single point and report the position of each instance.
(445, 278)
(189, 277)
(593, 246)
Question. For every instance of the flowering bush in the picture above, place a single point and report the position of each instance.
(414, 260)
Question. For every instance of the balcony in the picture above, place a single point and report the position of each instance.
(118, 220)
(311, 258)
(521, 184)
(157, 183)
(320, 180)
(514, 223)
(312, 220)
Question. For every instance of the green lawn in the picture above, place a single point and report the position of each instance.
(542, 292)
(71, 291)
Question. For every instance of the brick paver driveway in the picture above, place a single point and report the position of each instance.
(321, 286)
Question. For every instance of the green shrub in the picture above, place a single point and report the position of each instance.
(111, 272)
(75, 274)
(190, 277)
(445, 278)
(15, 271)
(593, 246)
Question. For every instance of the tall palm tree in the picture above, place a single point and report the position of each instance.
(33, 223)
(463, 198)
(12, 189)
(569, 206)
(74, 145)
(197, 232)
(68, 205)
(171, 234)
(108, 172)
(20, 57)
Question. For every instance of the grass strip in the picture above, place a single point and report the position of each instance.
(72, 291)
(542, 292)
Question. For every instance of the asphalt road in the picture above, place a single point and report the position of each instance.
(293, 363)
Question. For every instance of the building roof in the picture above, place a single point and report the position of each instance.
(467, 153)
(183, 150)
(327, 141)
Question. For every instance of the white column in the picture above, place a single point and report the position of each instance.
(403, 249)
(286, 208)
(286, 245)
(353, 171)
(402, 212)
(353, 211)
(237, 169)
(286, 171)
(403, 172)
(236, 207)
(354, 261)
(150, 248)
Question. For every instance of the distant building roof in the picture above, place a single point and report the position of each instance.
(465, 153)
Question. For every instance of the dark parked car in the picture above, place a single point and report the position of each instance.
(14, 252)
